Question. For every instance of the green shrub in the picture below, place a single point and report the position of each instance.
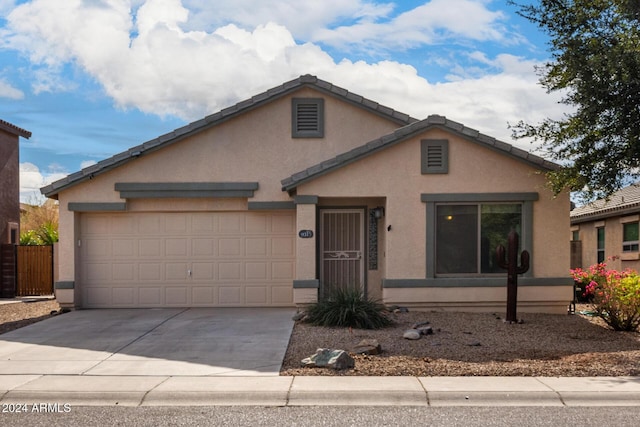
(348, 308)
(614, 295)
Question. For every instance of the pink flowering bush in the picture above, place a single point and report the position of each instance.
(614, 295)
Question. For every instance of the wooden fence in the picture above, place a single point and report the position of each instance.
(26, 270)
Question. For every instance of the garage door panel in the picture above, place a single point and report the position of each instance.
(150, 296)
(123, 296)
(203, 247)
(150, 271)
(282, 247)
(256, 271)
(187, 259)
(256, 295)
(96, 248)
(124, 272)
(124, 225)
(176, 296)
(176, 247)
(124, 248)
(150, 248)
(230, 295)
(281, 295)
(282, 270)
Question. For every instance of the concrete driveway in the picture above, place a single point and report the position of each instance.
(122, 342)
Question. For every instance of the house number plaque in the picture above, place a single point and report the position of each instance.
(305, 234)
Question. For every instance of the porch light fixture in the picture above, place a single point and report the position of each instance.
(378, 212)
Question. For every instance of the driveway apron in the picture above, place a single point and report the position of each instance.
(174, 341)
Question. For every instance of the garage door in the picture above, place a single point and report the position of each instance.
(187, 259)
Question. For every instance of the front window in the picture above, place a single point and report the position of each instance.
(630, 237)
(600, 244)
(467, 236)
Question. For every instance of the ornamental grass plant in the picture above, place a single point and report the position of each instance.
(348, 308)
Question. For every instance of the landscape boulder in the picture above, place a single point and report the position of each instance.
(368, 346)
(411, 334)
(329, 358)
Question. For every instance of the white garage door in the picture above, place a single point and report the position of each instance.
(187, 259)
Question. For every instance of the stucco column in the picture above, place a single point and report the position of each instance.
(305, 285)
(64, 286)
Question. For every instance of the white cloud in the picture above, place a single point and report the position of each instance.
(300, 17)
(8, 91)
(432, 22)
(32, 179)
(157, 59)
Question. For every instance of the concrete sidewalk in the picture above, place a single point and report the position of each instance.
(88, 390)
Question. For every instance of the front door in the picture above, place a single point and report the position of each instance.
(341, 249)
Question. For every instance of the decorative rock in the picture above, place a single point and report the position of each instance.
(326, 357)
(425, 330)
(420, 324)
(368, 346)
(474, 344)
(412, 334)
(299, 316)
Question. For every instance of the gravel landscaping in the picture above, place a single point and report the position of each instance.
(19, 314)
(462, 344)
(466, 344)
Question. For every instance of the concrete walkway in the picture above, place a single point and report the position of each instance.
(88, 390)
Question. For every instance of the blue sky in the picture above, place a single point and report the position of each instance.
(91, 78)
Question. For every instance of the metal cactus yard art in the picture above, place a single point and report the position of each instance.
(509, 260)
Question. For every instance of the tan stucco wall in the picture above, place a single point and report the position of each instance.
(395, 173)
(531, 299)
(613, 228)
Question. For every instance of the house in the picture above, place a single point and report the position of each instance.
(607, 230)
(303, 188)
(9, 201)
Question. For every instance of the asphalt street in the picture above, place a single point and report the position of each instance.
(330, 416)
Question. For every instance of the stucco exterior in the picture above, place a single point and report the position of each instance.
(610, 216)
(367, 160)
(9, 201)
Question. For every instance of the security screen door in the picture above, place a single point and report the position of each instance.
(341, 249)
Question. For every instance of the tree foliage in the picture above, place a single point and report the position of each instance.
(39, 224)
(595, 51)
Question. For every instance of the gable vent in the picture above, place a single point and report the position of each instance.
(434, 156)
(307, 118)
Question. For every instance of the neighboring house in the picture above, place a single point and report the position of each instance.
(306, 187)
(607, 230)
(9, 202)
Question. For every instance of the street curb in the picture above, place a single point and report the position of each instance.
(270, 391)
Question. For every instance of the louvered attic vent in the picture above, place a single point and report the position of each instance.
(307, 118)
(434, 156)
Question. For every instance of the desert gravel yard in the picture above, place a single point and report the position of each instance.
(462, 344)
(465, 344)
(18, 314)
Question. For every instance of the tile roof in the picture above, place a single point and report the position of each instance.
(622, 202)
(405, 133)
(11, 128)
(214, 119)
